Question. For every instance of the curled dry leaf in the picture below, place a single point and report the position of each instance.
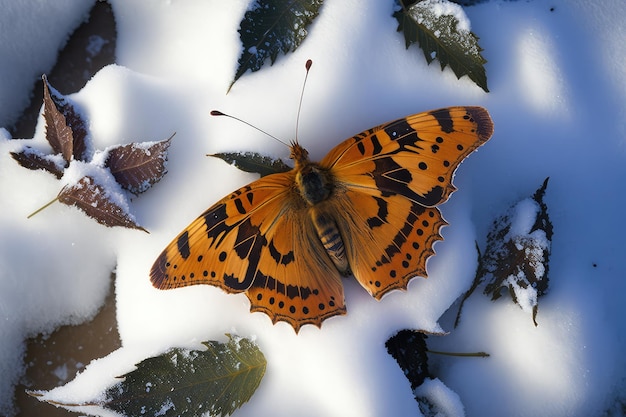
(66, 130)
(517, 254)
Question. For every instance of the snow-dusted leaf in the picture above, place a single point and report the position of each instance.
(66, 130)
(33, 159)
(439, 27)
(518, 251)
(271, 27)
(253, 162)
(58, 133)
(184, 382)
(137, 166)
(435, 399)
(517, 255)
(408, 348)
(96, 202)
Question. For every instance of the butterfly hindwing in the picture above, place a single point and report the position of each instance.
(298, 282)
(258, 240)
(387, 239)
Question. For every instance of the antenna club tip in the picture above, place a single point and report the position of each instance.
(308, 64)
(217, 113)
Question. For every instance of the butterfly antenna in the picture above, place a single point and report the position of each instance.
(308, 65)
(219, 113)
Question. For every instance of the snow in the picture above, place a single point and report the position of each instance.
(438, 400)
(438, 8)
(31, 37)
(557, 83)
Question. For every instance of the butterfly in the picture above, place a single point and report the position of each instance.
(367, 209)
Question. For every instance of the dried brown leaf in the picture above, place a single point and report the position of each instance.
(517, 255)
(137, 166)
(58, 133)
(93, 199)
(65, 128)
(32, 159)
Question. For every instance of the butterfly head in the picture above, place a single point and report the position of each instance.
(299, 155)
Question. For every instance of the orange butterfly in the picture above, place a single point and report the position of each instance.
(367, 209)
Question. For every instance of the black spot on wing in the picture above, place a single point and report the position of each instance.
(392, 178)
(431, 198)
(280, 258)
(215, 221)
(381, 215)
(290, 291)
(248, 246)
(361, 147)
(239, 204)
(376, 146)
(183, 244)
(444, 119)
(399, 129)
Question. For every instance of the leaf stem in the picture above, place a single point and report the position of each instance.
(43, 207)
(463, 354)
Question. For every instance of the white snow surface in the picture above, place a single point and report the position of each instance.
(439, 8)
(557, 81)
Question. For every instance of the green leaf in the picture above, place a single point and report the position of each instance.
(431, 24)
(253, 162)
(271, 27)
(184, 382)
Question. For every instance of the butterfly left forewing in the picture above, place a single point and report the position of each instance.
(222, 246)
(258, 240)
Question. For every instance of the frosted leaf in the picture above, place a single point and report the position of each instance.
(517, 255)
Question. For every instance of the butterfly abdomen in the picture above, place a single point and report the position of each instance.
(329, 235)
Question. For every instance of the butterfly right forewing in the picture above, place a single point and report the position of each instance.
(388, 181)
